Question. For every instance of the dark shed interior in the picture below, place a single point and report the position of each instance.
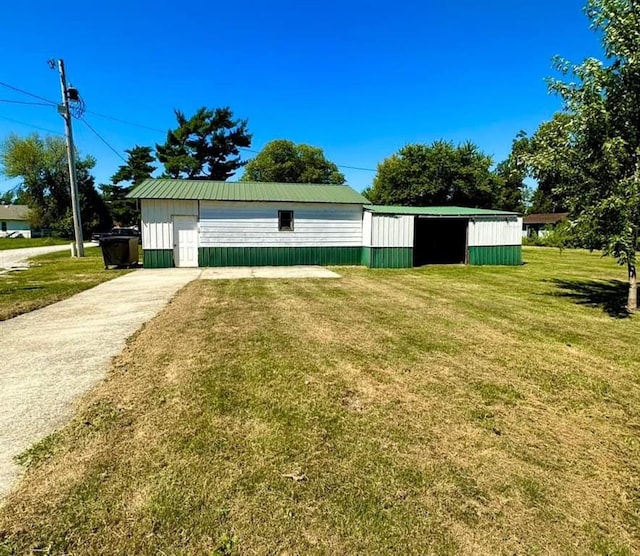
(440, 241)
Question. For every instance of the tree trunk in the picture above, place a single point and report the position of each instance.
(632, 302)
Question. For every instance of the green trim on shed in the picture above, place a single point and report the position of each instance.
(157, 258)
(278, 256)
(387, 257)
(496, 255)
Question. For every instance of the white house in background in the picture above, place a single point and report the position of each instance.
(14, 220)
(209, 223)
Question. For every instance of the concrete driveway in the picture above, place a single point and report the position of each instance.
(55, 354)
(13, 259)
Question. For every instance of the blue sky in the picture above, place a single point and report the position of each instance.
(358, 78)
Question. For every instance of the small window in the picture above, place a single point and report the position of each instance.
(285, 220)
(4, 226)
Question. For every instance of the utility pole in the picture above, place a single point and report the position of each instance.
(71, 157)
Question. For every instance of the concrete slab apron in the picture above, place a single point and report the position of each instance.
(53, 355)
(241, 272)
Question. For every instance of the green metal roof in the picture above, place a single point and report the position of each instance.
(205, 190)
(451, 212)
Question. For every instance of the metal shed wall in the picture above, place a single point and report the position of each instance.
(157, 229)
(495, 240)
(389, 241)
(246, 234)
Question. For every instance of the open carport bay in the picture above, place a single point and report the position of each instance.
(440, 241)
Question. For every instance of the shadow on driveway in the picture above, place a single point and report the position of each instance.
(610, 295)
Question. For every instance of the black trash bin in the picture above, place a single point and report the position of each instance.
(119, 250)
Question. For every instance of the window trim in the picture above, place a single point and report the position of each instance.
(291, 226)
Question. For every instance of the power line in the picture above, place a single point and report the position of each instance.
(24, 102)
(143, 126)
(356, 168)
(31, 125)
(28, 93)
(126, 122)
(102, 139)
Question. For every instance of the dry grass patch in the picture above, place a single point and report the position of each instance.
(442, 410)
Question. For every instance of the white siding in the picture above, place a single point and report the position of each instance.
(495, 231)
(366, 228)
(21, 226)
(157, 221)
(392, 230)
(255, 224)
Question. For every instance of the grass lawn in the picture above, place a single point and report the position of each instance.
(442, 410)
(51, 278)
(21, 243)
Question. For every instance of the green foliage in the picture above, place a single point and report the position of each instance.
(41, 163)
(205, 146)
(226, 545)
(563, 235)
(436, 174)
(284, 161)
(549, 168)
(595, 144)
(511, 173)
(8, 197)
(137, 168)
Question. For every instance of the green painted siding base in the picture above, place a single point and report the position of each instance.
(157, 258)
(496, 255)
(278, 256)
(387, 257)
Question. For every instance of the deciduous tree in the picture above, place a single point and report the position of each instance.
(284, 161)
(597, 140)
(511, 173)
(436, 174)
(41, 164)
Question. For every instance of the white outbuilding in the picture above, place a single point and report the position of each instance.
(208, 223)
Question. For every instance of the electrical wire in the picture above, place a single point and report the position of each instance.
(102, 139)
(48, 102)
(246, 149)
(10, 101)
(53, 103)
(126, 122)
(31, 125)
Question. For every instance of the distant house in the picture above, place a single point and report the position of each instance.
(14, 220)
(540, 224)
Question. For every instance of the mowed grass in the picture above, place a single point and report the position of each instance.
(21, 243)
(442, 410)
(50, 278)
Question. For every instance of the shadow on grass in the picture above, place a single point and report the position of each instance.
(609, 295)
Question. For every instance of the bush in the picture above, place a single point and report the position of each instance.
(562, 236)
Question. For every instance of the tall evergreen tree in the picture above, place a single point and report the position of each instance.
(135, 170)
(204, 146)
